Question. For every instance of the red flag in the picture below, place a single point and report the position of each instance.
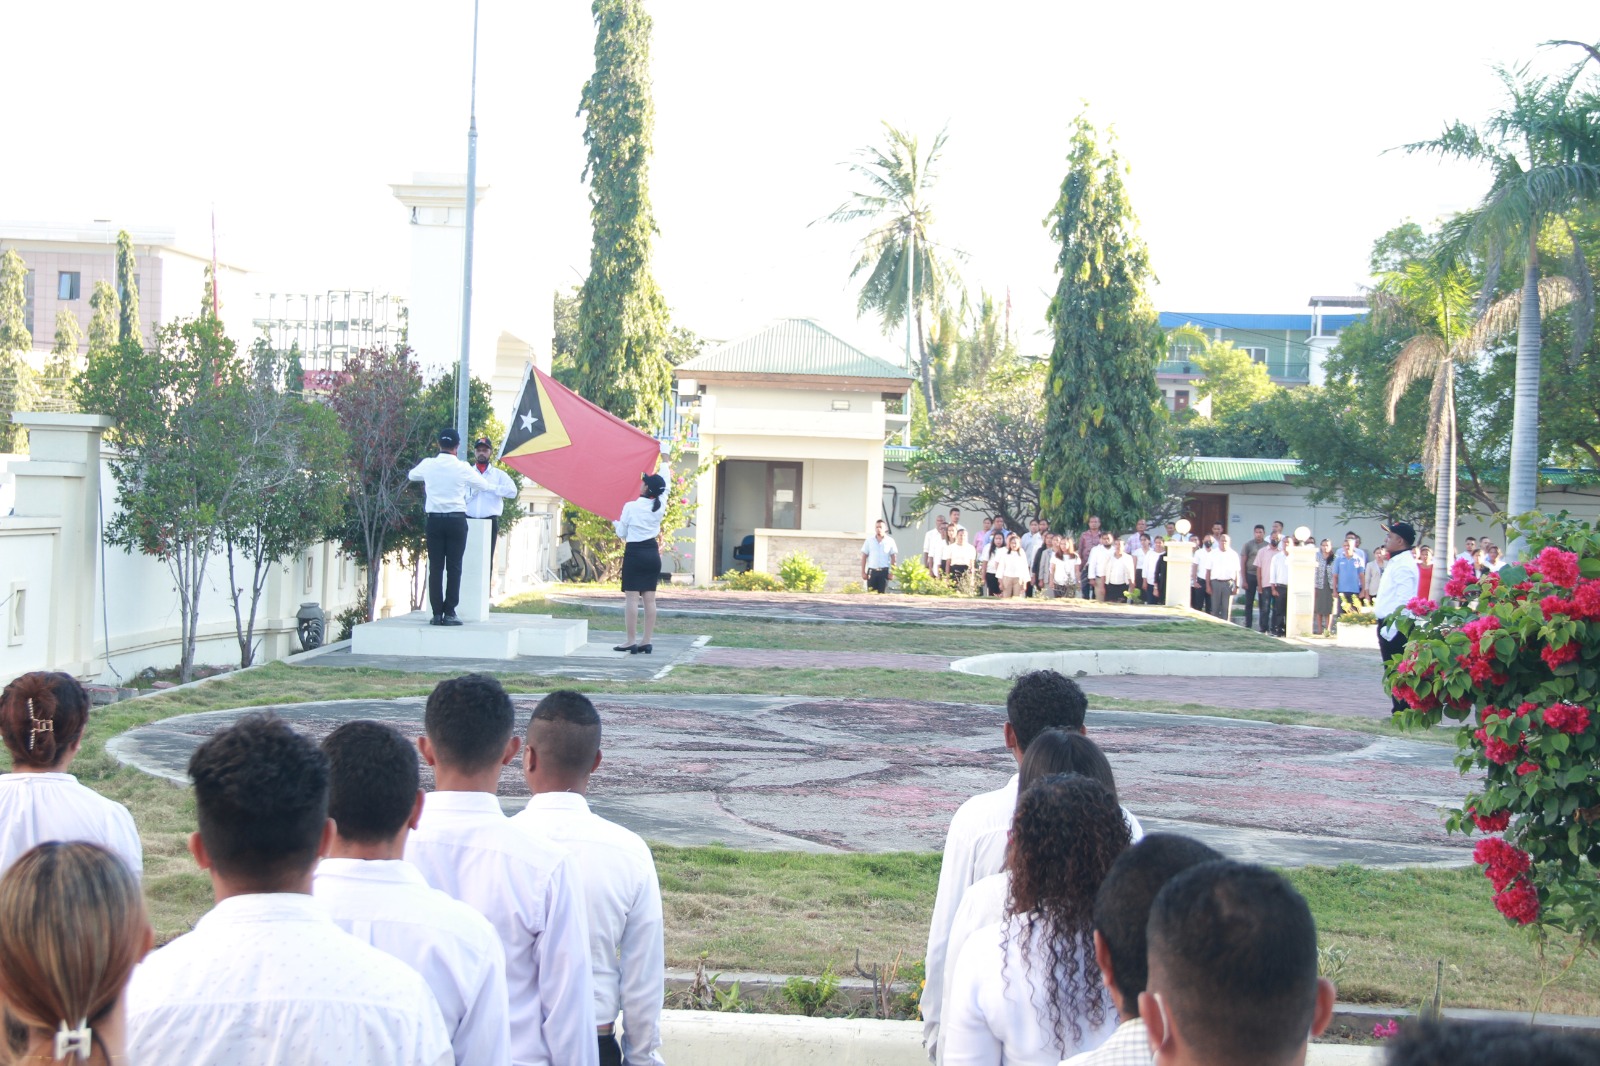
(589, 456)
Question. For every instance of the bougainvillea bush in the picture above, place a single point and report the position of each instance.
(1514, 658)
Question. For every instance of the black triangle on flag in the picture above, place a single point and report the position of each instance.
(528, 420)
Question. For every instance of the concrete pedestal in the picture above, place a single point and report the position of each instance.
(1180, 572)
(474, 605)
(1302, 590)
(500, 636)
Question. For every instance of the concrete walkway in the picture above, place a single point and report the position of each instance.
(871, 607)
(595, 661)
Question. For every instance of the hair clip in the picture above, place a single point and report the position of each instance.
(38, 725)
(70, 1040)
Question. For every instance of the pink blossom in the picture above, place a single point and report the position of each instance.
(1420, 606)
(1462, 568)
(1519, 902)
(1557, 566)
(1567, 717)
(1386, 1030)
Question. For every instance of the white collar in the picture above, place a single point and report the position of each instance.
(559, 801)
(387, 871)
(470, 802)
(264, 907)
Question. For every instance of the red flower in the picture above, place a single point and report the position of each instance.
(1525, 709)
(1567, 717)
(1491, 823)
(1490, 583)
(1462, 568)
(1524, 769)
(1455, 588)
(1554, 605)
(1557, 566)
(1420, 606)
(1502, 863)
(1556, 657)
(1519, 902)
(1481, 670)
(1496, 750)
(1586, 600)
(1523, 586)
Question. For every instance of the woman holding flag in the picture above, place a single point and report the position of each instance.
(639, 527)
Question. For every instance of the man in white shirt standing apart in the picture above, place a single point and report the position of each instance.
(626, 945)
(372, 892)
(1398, 588)
(447, 480)
(489, 504)
(266, 978)
(527, 886)
(1224, 567)
(878, 554)
(934, 547)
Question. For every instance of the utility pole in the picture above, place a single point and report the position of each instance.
(464, 379)
(911, 289)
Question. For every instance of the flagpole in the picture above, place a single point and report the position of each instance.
(464, 379)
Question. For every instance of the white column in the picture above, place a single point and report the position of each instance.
(474, 605)
(1180, 572)
(1301, 593)
(437, 210)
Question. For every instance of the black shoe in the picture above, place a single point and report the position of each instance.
(451, 620)
(438, 620)
(641, 649)
(623, 647)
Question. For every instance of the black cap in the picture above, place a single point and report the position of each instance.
(654, 484)
(1404, 530)
(483, 442)
(449, 438)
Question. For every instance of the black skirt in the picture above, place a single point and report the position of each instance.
(641, 566)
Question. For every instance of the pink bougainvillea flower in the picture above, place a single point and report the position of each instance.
(1526, 768)
(1490, 823)
(1567, 717)
(1455, 588)
(1554, 605)
(1421, 605)
(1525, 709)
(1557, 566)
(1463, 569)
(1496, 750)
(1555, 657)
(1502, 862)
(1519, 902)
(1386, 1030)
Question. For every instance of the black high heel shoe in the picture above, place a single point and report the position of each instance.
(623, 647)
(641, 649)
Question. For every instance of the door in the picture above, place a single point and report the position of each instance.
(751, 495)
(1205, 509)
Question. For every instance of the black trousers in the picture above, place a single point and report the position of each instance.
(447, 540)
(878, 579)
(610, 1051)
(1116, 593)
(1250, 597)
(1389, 649)
(1264, 595)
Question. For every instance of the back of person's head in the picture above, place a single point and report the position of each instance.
(42, 715)
(373, 781)
(564, 733)
(1233, 960)
(1488, 1044)
(1044, 699)
(1066, 833)
(1065, 751)
(72, 928)
(1122, 906)
(469, 719)
(261, 796)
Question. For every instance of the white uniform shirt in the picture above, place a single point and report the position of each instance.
(1012, 564)
(530, 891)
(1225, 565)
(1030, 543)
(1278, 570)
(1064, 569)
(934, 546)
(386, 903)
(963, 555)
(489, 503)
(1398, 588)
(35, 808)
(623, 898)
(1097, 561)
(1202, 563)
(638, 521)
(447, 480)
(1148, 563)
(990, 1020)
(269, 980)
(880, 553)
(983, 904)
(1119, 569)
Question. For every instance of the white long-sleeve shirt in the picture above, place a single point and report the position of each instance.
(1225, 565)
(35, 808)
(1012, 564)
(386, 903)
(447, 480)
(488, 503)
(638, 521)
(1097, 561)
(1398, 588)
(269, 980)
(623, 897)
(1119, 569)
(531, 892)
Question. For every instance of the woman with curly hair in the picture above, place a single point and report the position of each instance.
(42, 717)
(1026, 991)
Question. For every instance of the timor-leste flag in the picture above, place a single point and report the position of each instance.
(573, 448)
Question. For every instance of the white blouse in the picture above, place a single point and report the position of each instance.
(638, 521)
(962, 554)
(1013, 564)
(35, 808)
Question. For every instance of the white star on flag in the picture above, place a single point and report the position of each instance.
(527, 420)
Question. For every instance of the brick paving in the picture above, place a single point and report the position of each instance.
(758, 658)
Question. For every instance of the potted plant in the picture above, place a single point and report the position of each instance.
(1356, 629)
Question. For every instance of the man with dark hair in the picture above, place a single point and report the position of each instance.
(527, 886)
(975, 846)
(372, 892)
(626, 946)
(266, 977)
(1451, 1043)
(1398, 588)
(447, 480)
(1233, 970)
(1121, 912)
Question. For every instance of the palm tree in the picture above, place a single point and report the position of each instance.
(1437, 296)
(1544, 147)
(906, 273)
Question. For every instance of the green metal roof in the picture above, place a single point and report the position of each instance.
(1214, 468)
(792, 346)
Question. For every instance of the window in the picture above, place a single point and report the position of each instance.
(67, 285)
(1258, 355)
(1180, 400)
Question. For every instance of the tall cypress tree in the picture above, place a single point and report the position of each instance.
(1105, 424)
(622, 319)
(127, 289)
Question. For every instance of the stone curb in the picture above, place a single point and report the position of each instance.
(1146, 663)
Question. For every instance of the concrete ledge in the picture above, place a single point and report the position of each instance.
(1147, 663)
(708, 1038)
(501, 636)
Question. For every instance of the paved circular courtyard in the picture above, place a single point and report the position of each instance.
(819, 774)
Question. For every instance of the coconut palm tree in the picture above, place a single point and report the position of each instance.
(907, 271)
(1544, 148)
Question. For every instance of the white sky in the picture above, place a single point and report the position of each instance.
(1255, 132)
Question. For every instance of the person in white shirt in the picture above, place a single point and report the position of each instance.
(1278, 571)
(1096, 565)
(375, 800)
(935, 547)
(266, 978)
(1025, 991)
(1065, 569)
(488, 505)
(1121, 912)
(447, 480)
(962, 556)
(1200, 588)
(42, 717)
(879, 553)
(1030, 539)
(640, 530)
(626, 946)
(1012, 568)
(1399, 587)
(1118, 573)
(975, 845)
(1224, 567)
(527, 886)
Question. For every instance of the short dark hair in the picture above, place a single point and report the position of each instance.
(1261, 527)
(565, 729)
(1044, 699)
(469, 719)
(1122, 906)
(373, 780)
(1489, 1044)
(261, 796)
(1065, 751)
(1238, 950)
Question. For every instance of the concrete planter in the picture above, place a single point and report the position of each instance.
(1349, 636)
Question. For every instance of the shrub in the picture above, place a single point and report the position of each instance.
(753, 581)
(853, 588)
(808, 996)
(913, 578)
(801, 574)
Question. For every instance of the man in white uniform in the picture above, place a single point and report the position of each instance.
(934, 547)
(528, 887)
(266, 978)
(626, 946)
(447, 480)
(1224, 566)
(372, 892)
(975, 847)
(489, 505)
(878, 554)
(1398, 588)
